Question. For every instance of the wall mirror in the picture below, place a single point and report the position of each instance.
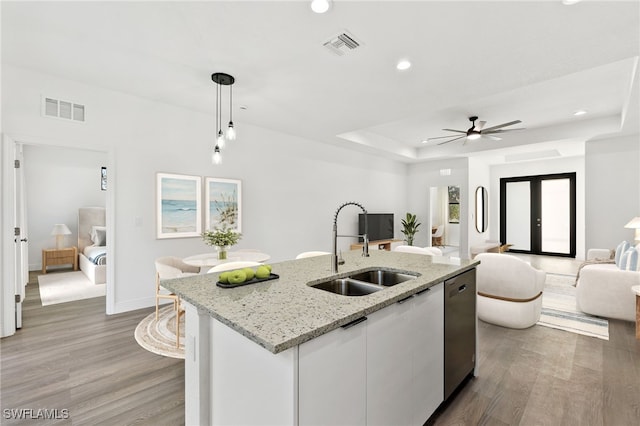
(482, 209)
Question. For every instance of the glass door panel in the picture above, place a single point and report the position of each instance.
(519, 215)
(555, 218)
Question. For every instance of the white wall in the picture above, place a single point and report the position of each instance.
(479, 175)
(551, 166)
(291, 186)
(613, 194)
(58, 182)
(421, 178)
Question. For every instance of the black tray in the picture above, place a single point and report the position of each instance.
(251, 281)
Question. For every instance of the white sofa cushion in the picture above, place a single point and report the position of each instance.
(605, 290)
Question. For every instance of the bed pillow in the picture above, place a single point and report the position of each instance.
(99, 235)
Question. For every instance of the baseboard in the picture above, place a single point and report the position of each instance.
(133, 305)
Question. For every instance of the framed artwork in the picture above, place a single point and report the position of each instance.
(223, 203)
(178, 206)
(103, 178)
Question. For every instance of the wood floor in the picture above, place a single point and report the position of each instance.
(72, 356)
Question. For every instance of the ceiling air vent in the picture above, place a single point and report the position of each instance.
(343, 42)
(62, 109)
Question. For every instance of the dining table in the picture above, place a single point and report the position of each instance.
(211, 259)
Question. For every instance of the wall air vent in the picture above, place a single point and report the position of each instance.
(65, 110)
(342, 43)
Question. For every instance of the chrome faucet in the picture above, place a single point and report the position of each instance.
(365, 248)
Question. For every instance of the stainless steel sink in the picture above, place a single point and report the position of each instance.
(347, 287)
(383, 277)
(363, 283)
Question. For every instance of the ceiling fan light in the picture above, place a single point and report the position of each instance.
(472, 136)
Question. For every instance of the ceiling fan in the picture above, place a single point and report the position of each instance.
(477, 131)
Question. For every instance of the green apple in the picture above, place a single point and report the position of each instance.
(268, 267)
(224, 277)
(237, 276)
(262, 272)
(250, 273)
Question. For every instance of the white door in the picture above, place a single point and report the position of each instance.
(20, 234)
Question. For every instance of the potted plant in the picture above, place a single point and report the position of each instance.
(222, 239)
(410, 227)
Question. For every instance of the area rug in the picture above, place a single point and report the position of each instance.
(65, 287)
(559, 309)
(159, 336)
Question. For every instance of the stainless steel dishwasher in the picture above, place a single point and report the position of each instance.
(459, 329)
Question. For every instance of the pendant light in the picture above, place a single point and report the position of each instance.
(222, 79)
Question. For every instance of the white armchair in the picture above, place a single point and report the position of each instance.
(509, 291)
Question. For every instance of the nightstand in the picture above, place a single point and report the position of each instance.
(63, 256)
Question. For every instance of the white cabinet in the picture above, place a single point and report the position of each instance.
(332, 377)
(428, 356)
(389, 373)
(385, 370)
(405, 360)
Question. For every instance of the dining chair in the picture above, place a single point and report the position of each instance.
(311, 254)
(166, 268)
(233, 265)
(436, 236)
(430, 251)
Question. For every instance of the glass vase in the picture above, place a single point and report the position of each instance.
(222, 252)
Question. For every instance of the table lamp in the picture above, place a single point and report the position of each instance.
(60, 230)
(635, 224)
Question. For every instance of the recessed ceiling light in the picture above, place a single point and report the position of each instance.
(580, 112)
(403, 65)
(320, 6)
(425, 141)
(570, 2)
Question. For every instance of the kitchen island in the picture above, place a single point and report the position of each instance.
(283, 352)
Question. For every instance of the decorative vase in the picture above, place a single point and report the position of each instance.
(222, 252)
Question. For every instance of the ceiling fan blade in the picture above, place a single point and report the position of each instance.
(480, 125)
(493, 138)
(454, 139)
(457, 131)
(484, 132)
(499, 126)
(442, 137)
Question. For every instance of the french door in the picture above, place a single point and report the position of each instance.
(538, 214)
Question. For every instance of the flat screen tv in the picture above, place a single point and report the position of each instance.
(380, 226)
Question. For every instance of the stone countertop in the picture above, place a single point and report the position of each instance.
(285, 312)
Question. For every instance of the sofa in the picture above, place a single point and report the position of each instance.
(604, 288)
(509, 291)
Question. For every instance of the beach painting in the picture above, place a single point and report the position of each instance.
(179, 206)
(223, 207)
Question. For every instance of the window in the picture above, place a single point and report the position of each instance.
(454, 204)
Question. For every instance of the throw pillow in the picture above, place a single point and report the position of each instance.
(98, 235)
(622, 247)
(629, 260)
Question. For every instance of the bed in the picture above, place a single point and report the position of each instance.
(92, 248)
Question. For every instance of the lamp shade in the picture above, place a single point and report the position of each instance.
(60, 229)
(634, 223)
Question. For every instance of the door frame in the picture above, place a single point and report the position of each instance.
(7, 256)
(535, 194)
